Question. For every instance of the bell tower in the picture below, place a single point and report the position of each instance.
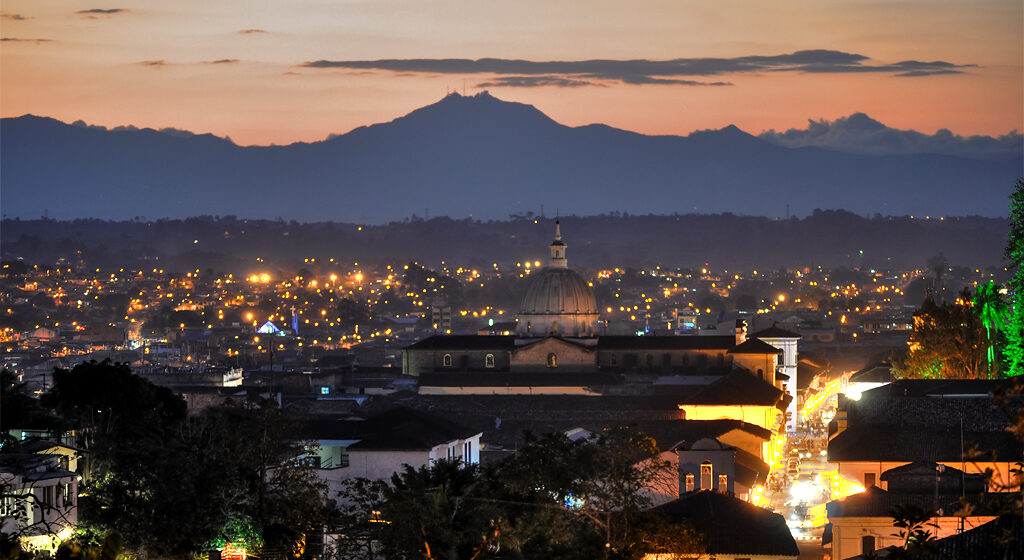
(558, 249)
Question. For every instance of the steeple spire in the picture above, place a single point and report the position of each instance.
(558, 249)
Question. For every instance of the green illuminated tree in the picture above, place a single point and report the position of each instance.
(992, 310)
(1015, 254)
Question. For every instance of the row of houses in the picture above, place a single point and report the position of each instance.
(949, 448)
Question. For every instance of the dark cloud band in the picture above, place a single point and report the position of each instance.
(529, 73)
(102, 11)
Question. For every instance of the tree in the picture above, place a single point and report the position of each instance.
(992, 311)
(174, 484)
(916, 530)
(1015, 255)
(948, 342)
(438, 512)
(591, 496)
(554, 498)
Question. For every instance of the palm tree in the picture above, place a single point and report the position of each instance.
(992, 311)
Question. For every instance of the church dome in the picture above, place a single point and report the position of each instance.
(557, 290)
(557, 300)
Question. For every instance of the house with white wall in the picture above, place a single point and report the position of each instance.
(381, 445)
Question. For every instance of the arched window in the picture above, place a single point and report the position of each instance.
(489, 361)
(446, 361)
(706, 473)
(554, 327)
(723, 483)
(552, 360)
(689, 482)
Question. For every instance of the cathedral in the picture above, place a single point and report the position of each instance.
(558, 348)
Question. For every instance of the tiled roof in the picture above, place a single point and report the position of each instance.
(754, 346)
(950, 403)
(396, 429)
(875, 502)
(775, 332)
(503, 418)
(880, 372)
(917, 442)
(736, 388)
(465, 342)
(716, 342)
(732, 526)
(518, 379)
(999, 539)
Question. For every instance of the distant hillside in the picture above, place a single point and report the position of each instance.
(827, 238)
(473, 156)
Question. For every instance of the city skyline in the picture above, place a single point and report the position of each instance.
(265, 73)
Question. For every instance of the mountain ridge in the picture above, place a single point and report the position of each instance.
(476, 156)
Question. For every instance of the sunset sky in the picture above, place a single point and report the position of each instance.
(279, 72)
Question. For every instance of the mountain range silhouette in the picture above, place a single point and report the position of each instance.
(473, 156)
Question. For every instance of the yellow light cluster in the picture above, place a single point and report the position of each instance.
(817, 400)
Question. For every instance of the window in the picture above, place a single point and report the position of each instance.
(705, 476)
(869, 479)
(552, 360)
(867, 544)
(325, 390)
(467, 452)
(67, 494)
(689, 482)
(489, 361)
(554, 327)
(446, 361)
(47, 496)
(723, 483)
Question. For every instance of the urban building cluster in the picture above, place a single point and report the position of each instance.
(740, 377)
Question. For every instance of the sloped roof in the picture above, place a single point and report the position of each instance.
(917, 442)
(775, 332)
(999, 539)
(464, 342)
(732, 526)
(665, 342)
(875, 502)
(736, 388)
(518, 379)
(398, 429)
(754, 346)
(880, 372)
